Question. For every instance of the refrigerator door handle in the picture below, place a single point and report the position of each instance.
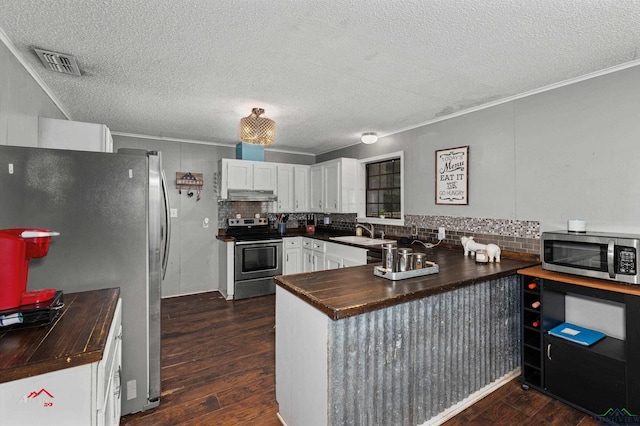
(167, 237)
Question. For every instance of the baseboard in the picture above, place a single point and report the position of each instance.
(472, 399)
(281, 419)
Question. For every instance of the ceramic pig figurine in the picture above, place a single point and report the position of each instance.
(470, 246)
(493, 253)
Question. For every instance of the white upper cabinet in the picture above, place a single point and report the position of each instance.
(285, 188)
(74, 135)
(265, 176)
(247, 175)
(334, 186)
(293, 188)
(328, 187)
(301, 188)
(316, 187)
(239, 174)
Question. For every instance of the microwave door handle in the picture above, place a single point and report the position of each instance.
(610, 256)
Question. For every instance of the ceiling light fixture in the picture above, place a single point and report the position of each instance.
(257, 130)
(369, 137)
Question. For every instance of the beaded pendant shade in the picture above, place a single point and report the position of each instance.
(257, 130)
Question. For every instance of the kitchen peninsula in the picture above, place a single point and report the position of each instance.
(353, 348)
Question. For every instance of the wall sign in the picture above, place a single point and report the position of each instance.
(452, 176)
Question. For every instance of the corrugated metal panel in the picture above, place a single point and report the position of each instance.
(405, 364)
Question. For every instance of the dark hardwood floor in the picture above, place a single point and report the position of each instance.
(218, 368)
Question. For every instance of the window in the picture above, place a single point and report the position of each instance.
(381, 187)
(384, 190)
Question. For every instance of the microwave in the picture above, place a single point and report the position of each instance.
(611, 257)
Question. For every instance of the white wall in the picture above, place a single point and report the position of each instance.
(573, 152)
(22, 101)
(193, 256)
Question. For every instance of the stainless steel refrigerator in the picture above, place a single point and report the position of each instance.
(111, 212)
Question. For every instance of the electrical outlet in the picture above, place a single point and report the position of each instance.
(131, 389)
(441, 233)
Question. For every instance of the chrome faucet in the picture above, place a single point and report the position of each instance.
(371, 231)
(426, 245)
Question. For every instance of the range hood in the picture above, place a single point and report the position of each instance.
(249, 195)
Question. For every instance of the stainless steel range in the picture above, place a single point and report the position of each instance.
(258, 257)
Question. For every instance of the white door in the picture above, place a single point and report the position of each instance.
(332, 187)
(301, 188)
(239, 174)
(307, 260)
(265, 176)
(293, 261)
(285, 188)
(332, 262)
(316, 186)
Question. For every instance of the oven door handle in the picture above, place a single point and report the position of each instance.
(261, 242)
(610, 258)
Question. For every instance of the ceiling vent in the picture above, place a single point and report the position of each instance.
(59, 62)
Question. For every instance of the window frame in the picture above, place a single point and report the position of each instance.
(362, 190)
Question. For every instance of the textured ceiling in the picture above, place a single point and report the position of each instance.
(325, 71)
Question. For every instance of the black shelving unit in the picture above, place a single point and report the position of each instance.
(531, 332)
(596, 379)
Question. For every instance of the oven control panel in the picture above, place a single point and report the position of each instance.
(248, 221)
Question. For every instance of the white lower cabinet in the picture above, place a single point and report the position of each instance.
(317, 255)
(292, 255)
(86, 395)
(332, 262)
(312, 254)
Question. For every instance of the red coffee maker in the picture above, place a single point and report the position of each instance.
(17, 246)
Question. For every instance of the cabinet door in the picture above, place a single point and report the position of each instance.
(332, 187)
(307, 260)
(301, 188)
(292, 261)
(318, 261)
(239, 174)
(316, 187)
(332, 262)
(285, 188)
(265, 176)
(584, 377)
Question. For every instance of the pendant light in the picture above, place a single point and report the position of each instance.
(369, 138)
(257, 130)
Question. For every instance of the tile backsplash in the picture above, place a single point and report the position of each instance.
(521, 236)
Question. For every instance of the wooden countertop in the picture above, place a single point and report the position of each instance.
(341, 293)
(538, 272)
(77, 337)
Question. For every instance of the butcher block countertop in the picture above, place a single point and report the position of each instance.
(77, 337)
(341, 293)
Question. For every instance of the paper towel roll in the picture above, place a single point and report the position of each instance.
(576, 225)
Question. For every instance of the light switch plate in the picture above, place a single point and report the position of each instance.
(174, 212)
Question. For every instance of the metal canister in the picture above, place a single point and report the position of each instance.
(405, 259)
(389, 257)
(418, 260)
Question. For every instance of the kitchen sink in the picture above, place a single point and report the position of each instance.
(363, 241)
